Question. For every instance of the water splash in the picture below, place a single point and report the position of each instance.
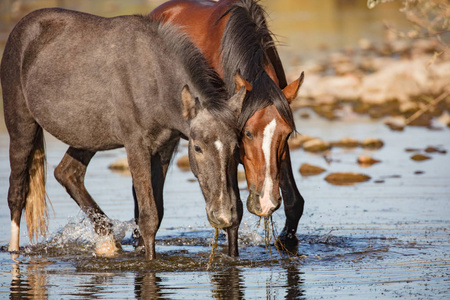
(249, 236)
(78, 235)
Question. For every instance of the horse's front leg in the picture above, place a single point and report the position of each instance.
(232, 234)
(159, 166)
(140, 164)
(293, 202)
(158, 174)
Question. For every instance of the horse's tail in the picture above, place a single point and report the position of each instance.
(36, 203)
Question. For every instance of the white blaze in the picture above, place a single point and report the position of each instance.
(219, 147)
(264, 201)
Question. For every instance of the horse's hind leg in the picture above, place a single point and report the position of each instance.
(27, 160)
(70, 173)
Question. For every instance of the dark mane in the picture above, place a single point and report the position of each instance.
(244, 43)
(206, 81)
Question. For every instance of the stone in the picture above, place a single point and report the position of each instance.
(241, 176)
(296, 140)
(310, 170)
(183, 163)
(316, 145)
(346, 142)
(372, 143)
(395, 125)
(420, 157)
(346, 178)
(120, 165)
(366, 161)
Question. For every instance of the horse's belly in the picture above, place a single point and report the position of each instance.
(84, 139)
(77, 123)
(80, 136)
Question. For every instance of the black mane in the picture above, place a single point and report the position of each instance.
(203, 77)
(244, 42)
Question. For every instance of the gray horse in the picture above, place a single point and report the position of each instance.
(103, 83)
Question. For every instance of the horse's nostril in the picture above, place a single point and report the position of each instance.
(220, 220)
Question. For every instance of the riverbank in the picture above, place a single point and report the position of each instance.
(407, 80)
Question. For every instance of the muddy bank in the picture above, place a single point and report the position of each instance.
(408, 80)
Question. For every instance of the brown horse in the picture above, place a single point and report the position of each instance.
(233, 35)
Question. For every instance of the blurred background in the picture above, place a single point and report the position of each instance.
(304, 27)
(308, 32)
(375, 102)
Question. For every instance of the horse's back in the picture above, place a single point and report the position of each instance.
(40, 27)
(200, 21)
(79, 72)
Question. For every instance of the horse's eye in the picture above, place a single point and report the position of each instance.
(249, 135)
(198, 149)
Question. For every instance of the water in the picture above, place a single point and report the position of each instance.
(385, 238)
(370, 240)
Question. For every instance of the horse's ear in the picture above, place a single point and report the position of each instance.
(240, 82)
(291, 90)
(236, 101)
(189, 103)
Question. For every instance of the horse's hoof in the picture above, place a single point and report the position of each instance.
(15, 257)
(107, 246)
(138, 241)
(287, 240)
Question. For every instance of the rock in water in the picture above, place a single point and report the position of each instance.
(310, 170)
(296, 141)
(316, 145)
(346, 142)
(372, 143)
(120, 165)
(366, 161)
(346, 178)
(183, 163)
(420, 157)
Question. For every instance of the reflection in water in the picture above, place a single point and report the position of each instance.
(18, 288)
(32, 285)
(228, 284)
(294, 286)
(96, 286)
(147, 286)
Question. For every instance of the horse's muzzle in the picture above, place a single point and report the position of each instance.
(220, 218)
(262, 207)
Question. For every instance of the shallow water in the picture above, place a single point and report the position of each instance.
(376, 239)
(386, 238)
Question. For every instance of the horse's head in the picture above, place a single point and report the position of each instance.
(214, 156)
(263, 148)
